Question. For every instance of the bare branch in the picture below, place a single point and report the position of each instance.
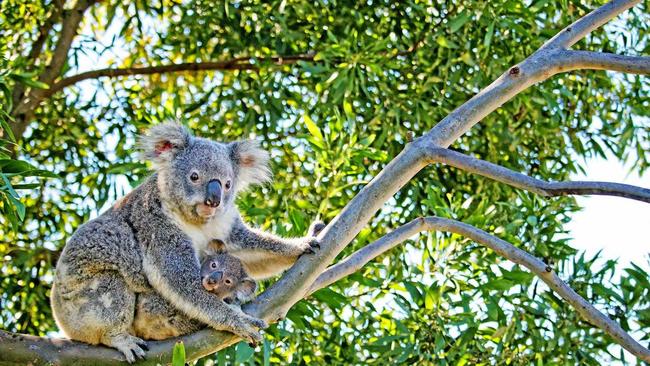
(361, 257)
(358, 259)
(548, 189)
(544, 63)
(577, 60)
(239, 63)
(585, 25)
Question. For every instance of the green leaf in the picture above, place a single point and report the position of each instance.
(456, 23)
(314, 131)
(27, 80)
(178, 354)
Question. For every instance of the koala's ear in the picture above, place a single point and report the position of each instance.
(163, 141)
(216, 246)
(246, 290)
(252, 163)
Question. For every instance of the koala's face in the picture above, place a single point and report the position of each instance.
(199, 178)
(224, 276)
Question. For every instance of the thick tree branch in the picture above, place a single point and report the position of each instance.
(548, 189)
(359, 258)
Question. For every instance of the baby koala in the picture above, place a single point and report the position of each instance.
(221, 274)
(225, 276)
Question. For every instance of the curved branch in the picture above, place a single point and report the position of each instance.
(238, 63)
(585, 25)
(544, 63)
(607, 61)
(359, 258)
(547, 189)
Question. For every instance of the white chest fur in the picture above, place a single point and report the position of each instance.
(217, 227)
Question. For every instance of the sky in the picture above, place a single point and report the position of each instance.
(618, 226)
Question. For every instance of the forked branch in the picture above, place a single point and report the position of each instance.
(359, 258)
(544, 188)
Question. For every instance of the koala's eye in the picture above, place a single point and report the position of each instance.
(213, 265)
(228, 184)
(228, 281)
(194, 176)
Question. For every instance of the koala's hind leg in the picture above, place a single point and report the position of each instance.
(99, 310)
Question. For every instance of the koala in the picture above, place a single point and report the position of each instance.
(225, 276)
(151, 239)
(221, 274)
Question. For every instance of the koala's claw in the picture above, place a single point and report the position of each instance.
(132, 348)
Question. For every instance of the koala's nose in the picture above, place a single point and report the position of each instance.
(215, 277)
(213, 193)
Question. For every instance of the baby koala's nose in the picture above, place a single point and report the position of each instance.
(213, 193)
(215, 277)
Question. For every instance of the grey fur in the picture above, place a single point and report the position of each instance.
(156, 318)
(149, 243)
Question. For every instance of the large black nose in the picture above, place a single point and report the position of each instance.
(215, 277)
(213, 193)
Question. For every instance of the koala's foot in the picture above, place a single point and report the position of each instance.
(132, 347)
(247, 327)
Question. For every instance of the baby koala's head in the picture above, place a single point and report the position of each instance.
(224, 275)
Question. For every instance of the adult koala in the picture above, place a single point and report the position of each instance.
(152, 239)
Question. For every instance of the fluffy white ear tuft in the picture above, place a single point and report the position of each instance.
(252, 163)
(163, 141)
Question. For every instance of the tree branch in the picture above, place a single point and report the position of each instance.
(568, 36)
(239, 63)
(69, 27)
(578, 60)
(359, 258)
(547, 189)
(544, 63)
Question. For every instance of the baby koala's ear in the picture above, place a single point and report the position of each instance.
(246, 290)
(251, 163)
(163, 141)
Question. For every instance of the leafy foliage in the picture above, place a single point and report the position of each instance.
(380, 71)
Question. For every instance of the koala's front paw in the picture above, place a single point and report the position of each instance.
(310, 246)
(247, 328)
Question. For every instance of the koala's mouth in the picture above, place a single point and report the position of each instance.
(205, 211)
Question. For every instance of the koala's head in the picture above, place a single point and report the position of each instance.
(197, 177)
(225, 276)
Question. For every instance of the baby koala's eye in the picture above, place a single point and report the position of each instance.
(213, 265)
(228, 184)
(194, 176)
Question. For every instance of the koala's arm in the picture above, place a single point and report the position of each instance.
(264, 254)
(173, 270)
